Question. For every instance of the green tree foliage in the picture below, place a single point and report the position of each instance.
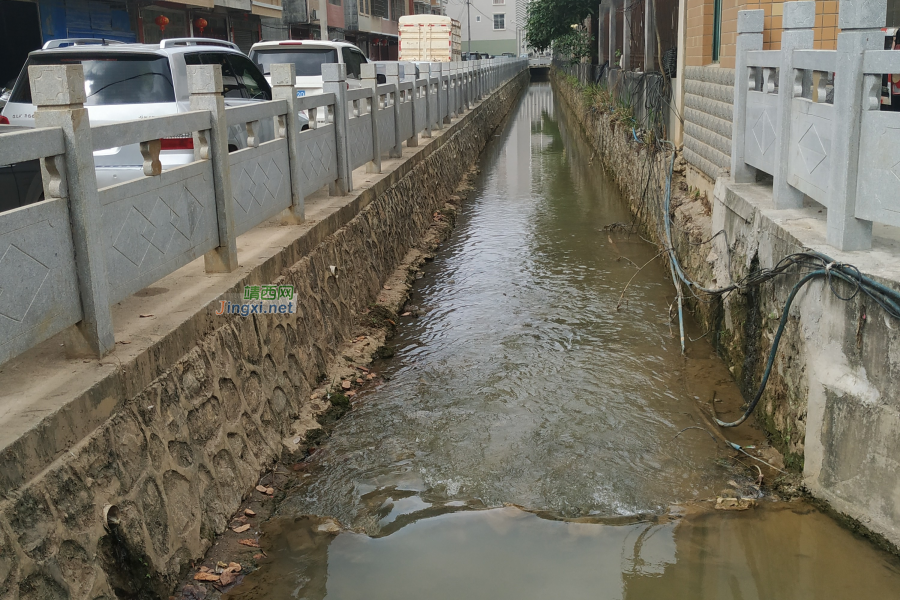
(550, 20)
(575, 45)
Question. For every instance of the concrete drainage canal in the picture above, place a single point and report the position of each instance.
(538, 432)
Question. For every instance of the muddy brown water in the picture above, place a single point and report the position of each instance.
(525, 443)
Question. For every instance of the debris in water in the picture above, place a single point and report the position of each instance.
(249, 542)
(241, 529)
(346, 384)
(227, 577)
(205, 576)
(262, 489)
(734, 503)
(249, 512)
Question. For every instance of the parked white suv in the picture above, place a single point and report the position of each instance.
(136, 81)
(308, 57)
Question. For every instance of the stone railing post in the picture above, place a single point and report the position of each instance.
(860, 26)
(466, 87)
(446, 94)
(798, 21)
(476, 80)
(334, 76)
(749, 37)
(58, 93)
(394, 75)
(429, 109)
(369, 76)
(436, 84)
(409, 72)
(453, 93)
(205, 87)
(283, 79)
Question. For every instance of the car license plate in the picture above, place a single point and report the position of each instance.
(301, 93)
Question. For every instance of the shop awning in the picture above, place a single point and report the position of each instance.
(268, 8)
(203, 3)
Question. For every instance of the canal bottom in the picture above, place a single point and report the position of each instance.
(538, 432)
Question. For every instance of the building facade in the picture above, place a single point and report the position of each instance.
(492, 26)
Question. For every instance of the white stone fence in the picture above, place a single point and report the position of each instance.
(842, 153)
(65, 260)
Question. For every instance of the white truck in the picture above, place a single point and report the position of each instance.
(429, 38)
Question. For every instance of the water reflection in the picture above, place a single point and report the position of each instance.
(784, 552)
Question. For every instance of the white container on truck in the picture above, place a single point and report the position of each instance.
(429, 38)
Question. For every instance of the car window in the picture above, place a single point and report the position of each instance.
(351, 59)
(360, 57)
(249, 76)
(110, 78)
(231, 85)
(307, 61)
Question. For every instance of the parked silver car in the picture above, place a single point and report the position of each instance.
(136, 81)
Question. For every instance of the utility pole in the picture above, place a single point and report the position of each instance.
(469, 23)
(323, 19)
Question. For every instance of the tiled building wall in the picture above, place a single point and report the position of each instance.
(708, 91)
(699, 30)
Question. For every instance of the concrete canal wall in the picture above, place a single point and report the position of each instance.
(830, 405)
(192, 407)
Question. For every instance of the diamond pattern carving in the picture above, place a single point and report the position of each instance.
(160, 230)
(188, 211)
(763, 132)
(319, 158)
(21, 278)
(811, 149)
(179, 212)
(260, 182)
(129, 241)
(360, 139)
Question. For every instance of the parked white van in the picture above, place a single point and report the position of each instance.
(308, 57)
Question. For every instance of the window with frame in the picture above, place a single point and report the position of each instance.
(499, 21)
(499, 1)
(717, 30)
(478, 18)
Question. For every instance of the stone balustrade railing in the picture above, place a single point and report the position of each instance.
(65, 260)
(811, 118)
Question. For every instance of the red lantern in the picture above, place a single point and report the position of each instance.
(161, 21)
(200, 24)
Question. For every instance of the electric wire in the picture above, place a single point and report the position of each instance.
(806, 266)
